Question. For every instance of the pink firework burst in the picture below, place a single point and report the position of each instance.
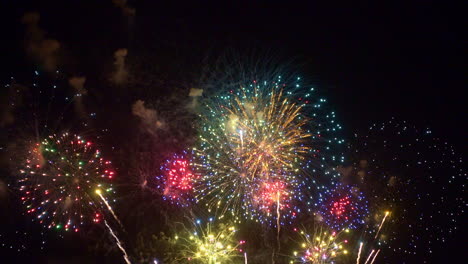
(339, 207)
(273, 195)
(176, 183)
(271, 192)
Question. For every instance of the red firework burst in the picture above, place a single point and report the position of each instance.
(177, 181)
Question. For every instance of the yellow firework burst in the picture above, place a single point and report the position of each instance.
(266, 132)
(207, 244)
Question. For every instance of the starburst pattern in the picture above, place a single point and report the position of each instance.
(209, 244)
(59, 179)
(176, 183)
(344, 207)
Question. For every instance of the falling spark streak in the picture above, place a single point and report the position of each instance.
(119, 244)
(245, 257)
(242, 139)
(383, 220)
(375, 256)
(278, 216)
(370, 255)
(359, 253)
(99, 192)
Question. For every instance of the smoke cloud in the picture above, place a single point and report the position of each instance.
(3, 191)
(120, 74)
(345, 171)
(78, 85)
(43, 50)
(6, 117)
(148, 116)
(126, 10)
(10, 102)
(195, 93)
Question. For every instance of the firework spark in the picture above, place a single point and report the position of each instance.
(375, 256)
(59, 179)
(99, 192)
(119, 243)
(371, 241)
(381, 224)
(274, 194)
(359, 253)
(370, 255)
(417, 176)
(176, 184)
(321, 247)
(344, 207)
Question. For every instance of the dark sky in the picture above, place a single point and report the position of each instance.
(372, 60)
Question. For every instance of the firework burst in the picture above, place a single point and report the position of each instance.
(209, 244)
(321, 247)
(419, 178)
(59, 181)
(252, 137)
(273, 195)
(344, 207)
(176, 183)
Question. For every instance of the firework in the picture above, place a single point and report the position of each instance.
(369, 240)
(371, 257)
(176, 183)
(415, 175)
(358, 259)
(375, 256)
(323, 246)
(359, 252)
(381, 224)
(59, 181)
(344, 207)
(118, 242)
(254, 136)
(207, 244)
(273, 198)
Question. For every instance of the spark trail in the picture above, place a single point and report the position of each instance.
(375, 256)
(381, 224)
(359, 253)
(119, 244)
(368, 257)
(99, 192)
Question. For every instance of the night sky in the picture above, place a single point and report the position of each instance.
(374, 62)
